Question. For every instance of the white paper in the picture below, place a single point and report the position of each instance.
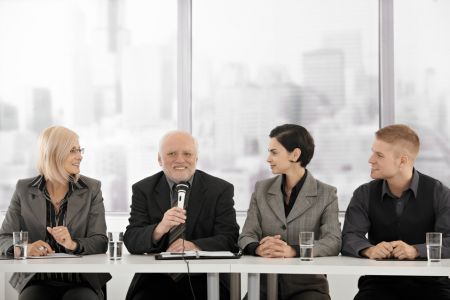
(55, 255)
(198, 254)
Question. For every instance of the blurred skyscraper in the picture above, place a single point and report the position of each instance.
(9, 117)
(41, 112)
(111, 162)
(324, 72)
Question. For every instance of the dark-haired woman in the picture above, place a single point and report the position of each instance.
(287, 204)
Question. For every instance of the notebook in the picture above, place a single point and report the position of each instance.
(197, 255)
(396, 259)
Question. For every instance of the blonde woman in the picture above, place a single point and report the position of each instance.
(63, 212)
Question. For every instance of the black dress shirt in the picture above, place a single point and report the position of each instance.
(357, 222)
(57, 218)
(288, 204)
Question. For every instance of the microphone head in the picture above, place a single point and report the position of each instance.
(182, 187)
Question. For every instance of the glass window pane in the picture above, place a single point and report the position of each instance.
(422, 72)
(262, 63)
(105, 68)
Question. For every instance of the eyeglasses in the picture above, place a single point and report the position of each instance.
(77, 150)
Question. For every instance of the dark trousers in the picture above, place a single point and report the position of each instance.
(297, 287)
(161, 286)
(403, 287)
(38, 290)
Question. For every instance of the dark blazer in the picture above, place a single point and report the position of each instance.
(210, 224)
(85, 220)
(211, 218)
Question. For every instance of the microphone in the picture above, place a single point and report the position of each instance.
(181, 189)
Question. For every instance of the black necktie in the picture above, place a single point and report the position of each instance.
(178, 231)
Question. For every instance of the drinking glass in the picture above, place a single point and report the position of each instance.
(306, 241)
(434, 245)
(115, 244)
(20, 243)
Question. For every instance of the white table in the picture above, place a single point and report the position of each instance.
(128, 264)
(339, 265)
(247, 264)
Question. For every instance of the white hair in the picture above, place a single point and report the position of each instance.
(174, 132)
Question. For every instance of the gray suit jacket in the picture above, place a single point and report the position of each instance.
(85, 220)
(315, 209)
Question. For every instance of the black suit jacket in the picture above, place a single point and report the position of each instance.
(211, 218)
(210, 224)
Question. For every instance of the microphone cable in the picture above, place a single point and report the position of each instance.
(183, 188)
(188, 271)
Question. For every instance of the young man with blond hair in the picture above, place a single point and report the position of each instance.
(388, 218)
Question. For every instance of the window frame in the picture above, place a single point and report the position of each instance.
(386, 80)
